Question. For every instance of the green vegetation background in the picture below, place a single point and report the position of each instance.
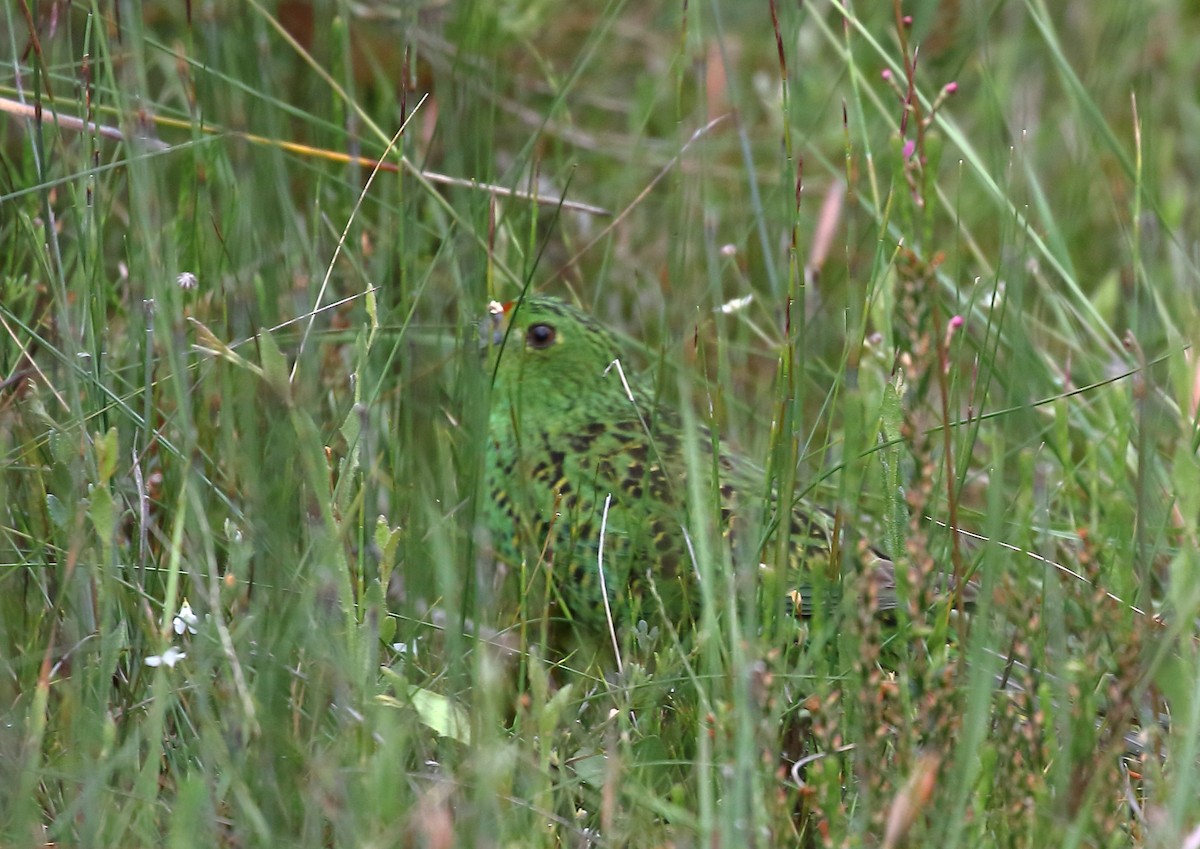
(239, 367)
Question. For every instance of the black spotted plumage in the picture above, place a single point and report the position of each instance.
(564, 435)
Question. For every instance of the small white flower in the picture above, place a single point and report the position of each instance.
(168, 658)
(736, 305)
(994, 296)
(405, 648)
(185, 620)
(186, 280)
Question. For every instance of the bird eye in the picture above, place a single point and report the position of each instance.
(540, 336)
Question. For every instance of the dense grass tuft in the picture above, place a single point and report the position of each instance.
(240, 379)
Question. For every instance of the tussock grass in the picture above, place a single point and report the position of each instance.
(240, 376)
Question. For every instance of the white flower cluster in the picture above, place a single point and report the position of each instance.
(185, 620)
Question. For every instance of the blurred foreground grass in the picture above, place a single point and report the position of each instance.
(239, 369)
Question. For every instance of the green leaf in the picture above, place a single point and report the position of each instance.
(387, 628)
(57, 510)
(274, 365)
(387, 540)
(107, 449)
(555, 708)
(433, 709)
(352, 432)
(372, 307)
(590, 768)
(101, 511)
(440, 714)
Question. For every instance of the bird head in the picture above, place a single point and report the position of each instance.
(548, 353)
